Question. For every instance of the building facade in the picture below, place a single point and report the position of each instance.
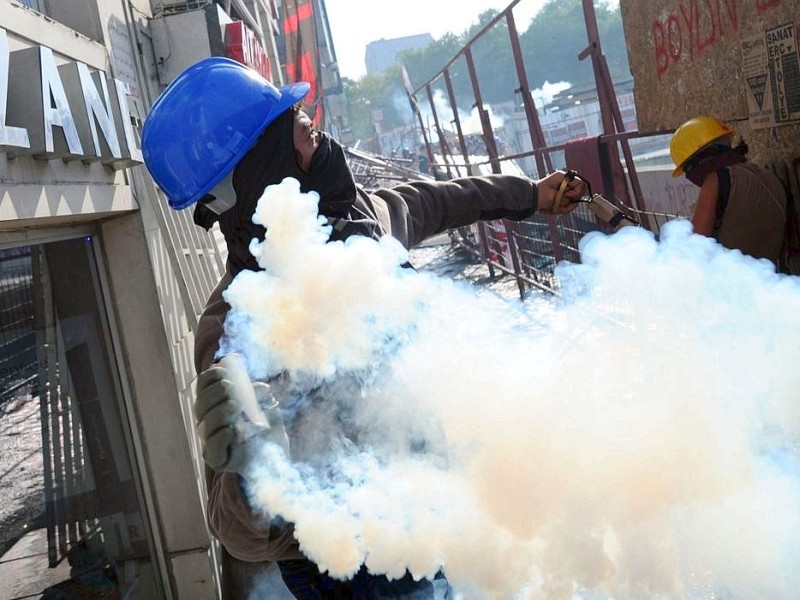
(382, 53)
(101, 285)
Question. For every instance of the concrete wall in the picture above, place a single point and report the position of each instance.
(138, 298)
(181, 39)
(148, 309)
(79, 15)
(691, 57)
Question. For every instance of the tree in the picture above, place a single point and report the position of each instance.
(558, 34)
(371, 96)
(550, 45)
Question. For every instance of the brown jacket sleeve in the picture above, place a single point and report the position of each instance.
(245, 535)
(417, 210)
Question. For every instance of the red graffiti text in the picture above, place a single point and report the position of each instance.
(691, 27)
(763, 6)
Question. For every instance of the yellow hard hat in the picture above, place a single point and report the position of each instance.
(694, 135)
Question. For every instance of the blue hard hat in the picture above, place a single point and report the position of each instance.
(204, 123)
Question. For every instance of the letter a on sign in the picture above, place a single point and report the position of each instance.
(11, 138)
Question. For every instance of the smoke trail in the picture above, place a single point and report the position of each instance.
(636, 438)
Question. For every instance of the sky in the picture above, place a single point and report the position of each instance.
(356, 23)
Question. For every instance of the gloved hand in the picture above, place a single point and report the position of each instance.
(231, 429)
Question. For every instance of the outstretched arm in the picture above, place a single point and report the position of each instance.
(420, 209)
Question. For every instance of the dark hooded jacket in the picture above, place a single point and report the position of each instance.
(411, 212)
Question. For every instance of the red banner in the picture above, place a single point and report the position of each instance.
(302, 62)
(242, 45)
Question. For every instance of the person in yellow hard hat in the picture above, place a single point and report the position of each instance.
(740, 204)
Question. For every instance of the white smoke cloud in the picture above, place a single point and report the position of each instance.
(636, 438)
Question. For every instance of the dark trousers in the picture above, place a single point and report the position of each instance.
(306, 583)
(250, 581)
(242, 580)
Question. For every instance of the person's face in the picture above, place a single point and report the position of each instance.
(305, 140)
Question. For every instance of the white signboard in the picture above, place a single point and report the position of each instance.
(64, 112)
(771, 69)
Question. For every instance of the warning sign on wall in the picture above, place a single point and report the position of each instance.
(771, 68)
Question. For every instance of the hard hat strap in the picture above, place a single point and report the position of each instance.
(221, 197)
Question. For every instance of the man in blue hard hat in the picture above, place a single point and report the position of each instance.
(214, 140)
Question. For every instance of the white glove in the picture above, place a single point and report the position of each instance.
(235, 418)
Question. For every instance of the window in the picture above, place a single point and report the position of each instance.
(79, 15)
(34, 4)
(71, 523)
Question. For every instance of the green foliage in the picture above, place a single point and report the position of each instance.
(494, 61)
(370, 97)
(557, 36)
(550, 45)
(612, 37)
(423, 63)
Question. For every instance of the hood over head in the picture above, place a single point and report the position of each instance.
(271, 160)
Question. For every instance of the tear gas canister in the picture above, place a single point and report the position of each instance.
(253, 416)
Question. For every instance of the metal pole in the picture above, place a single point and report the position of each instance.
(442, 142)
(609, 112)
(461, 141)
(483, 114)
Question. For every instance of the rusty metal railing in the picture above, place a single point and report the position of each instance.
(530, 250)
